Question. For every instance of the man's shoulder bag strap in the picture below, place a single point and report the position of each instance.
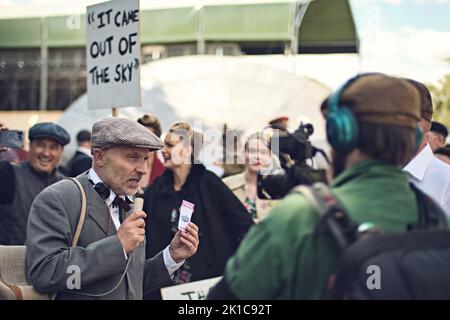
(76, 236)
(77, 233)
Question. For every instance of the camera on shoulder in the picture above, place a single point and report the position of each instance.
(293, 151)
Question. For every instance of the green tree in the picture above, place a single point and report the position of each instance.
(441, 100)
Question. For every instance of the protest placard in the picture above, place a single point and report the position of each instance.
(113, 54)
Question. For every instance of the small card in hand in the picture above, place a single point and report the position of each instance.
(185, 214)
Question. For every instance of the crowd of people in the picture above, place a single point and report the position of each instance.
(382, 140)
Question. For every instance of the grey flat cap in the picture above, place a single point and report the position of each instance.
(112, 132)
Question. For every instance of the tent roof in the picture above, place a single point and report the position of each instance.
(328, 26)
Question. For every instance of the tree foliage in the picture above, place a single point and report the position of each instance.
(441, 100)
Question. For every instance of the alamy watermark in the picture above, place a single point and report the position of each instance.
(374, 280)
(74, 280)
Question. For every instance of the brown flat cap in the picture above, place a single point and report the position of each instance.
(426, 107)
(111, 132)
(383, 99)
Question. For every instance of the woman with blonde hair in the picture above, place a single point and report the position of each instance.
(221, 218)
(258, 157)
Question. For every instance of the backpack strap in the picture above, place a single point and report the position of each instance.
(431, 214)
(330, 213)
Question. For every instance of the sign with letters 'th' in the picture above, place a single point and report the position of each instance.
(113, 54)
(197, 290)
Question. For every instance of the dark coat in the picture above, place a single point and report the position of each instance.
(79, 164)
(220, 216)
(19, 185)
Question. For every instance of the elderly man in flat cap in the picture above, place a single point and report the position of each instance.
(427, 172)
(21, 183)
(110, 253)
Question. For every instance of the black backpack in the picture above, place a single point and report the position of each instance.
(379, 265)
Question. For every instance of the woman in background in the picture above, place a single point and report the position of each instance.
(222, 219)
(258, 156)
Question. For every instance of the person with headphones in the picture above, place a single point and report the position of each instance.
(372, 127)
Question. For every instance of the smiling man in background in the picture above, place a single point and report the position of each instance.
(23, 182)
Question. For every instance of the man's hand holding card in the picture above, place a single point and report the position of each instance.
(185, 242)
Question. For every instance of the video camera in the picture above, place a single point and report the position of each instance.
(293, 151)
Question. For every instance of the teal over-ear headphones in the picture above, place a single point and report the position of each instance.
(341, 125)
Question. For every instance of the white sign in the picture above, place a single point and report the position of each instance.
(197, 290)
(113, 54)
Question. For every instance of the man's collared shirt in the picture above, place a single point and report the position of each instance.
(432, 176)
(171, 265)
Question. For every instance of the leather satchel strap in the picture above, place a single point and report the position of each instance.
(82, 213)
(76, 236)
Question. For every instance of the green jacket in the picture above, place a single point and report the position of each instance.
(277, 260)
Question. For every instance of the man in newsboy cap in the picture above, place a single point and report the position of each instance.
(110, 253)
(21, 183)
